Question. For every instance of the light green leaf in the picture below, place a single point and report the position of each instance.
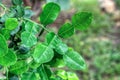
(62, 74)
(61, 48)
(52, 39)
(32, 28)
(82, 20)
(54, 42)
(66, 30)
(42, 53)
(72, 76)
(49, 13)
(3, 46)
(28, 39)
(11, 23)
(8, 59)
(74, 61)
(29, 76)
(5, 33)
(34, 65)
(19, 67)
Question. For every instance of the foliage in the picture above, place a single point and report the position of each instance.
(25, 57)
(96, 44)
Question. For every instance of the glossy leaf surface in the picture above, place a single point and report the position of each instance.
(19, 67)
(49, 13)
(82, 20)
(31, 27)
(54, 42)
(11, 23)
(3, 46)
(73, 60)
(29, 76)
(28, 39)
(42, 53)
(8, 59)
(52, 39)
(66, 30)
(5, 33)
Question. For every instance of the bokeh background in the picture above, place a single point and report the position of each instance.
(100, 43)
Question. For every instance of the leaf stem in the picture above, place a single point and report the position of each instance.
(2, 6)
(41, 32)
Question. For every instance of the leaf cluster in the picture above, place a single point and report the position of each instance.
(25, 57)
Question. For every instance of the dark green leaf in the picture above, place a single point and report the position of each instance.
(49, 13)
(29, 76)
(19, 67)
(20, 11)
(28, 39)
(73, 60)
(42, 53)
(82, 20)
(3, 46)
(66, 30)
(44, 73)
(11, 23)
(8, 59)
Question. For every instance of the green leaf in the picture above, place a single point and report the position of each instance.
(61, 48)
(73, 60)
(81, 20)
(32, 28)
(20, 11)
(28, 39)
(44, 72)
(29, 76)
(3, 46)
(52, 39)
(66, 30)
(72, 76)
(64, 4)
(42, 53)
(19, 67)
(8, 59)
(11, 23)
(34, 65)
(54, 42)
(62, 74)
(5, 33)
(49, 13)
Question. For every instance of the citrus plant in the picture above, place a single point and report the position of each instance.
(24, 57)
